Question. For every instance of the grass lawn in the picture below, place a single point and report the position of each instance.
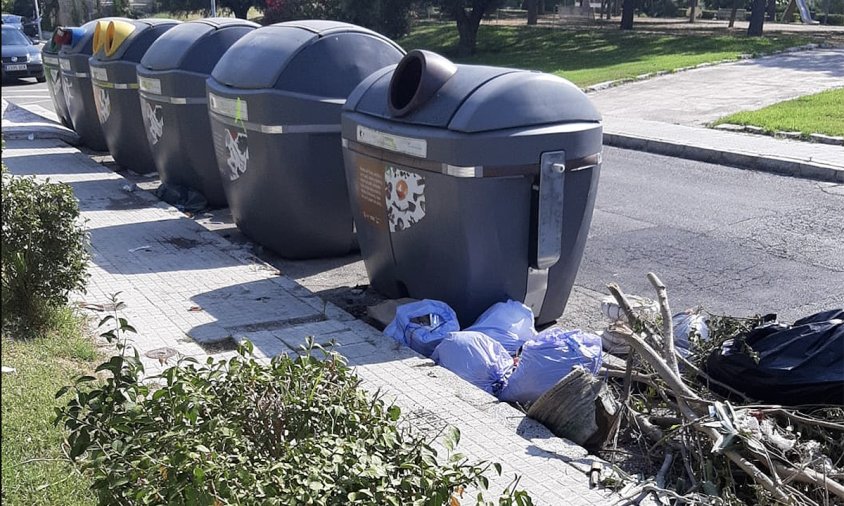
(34, 468)
(822, 113)
(593, 56)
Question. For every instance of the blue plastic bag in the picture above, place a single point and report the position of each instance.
(510, 323)
(547, 359)
(475, 357)
(422, 325)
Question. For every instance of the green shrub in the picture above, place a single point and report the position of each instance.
(297, 431)
(43, 250)
(832, 19)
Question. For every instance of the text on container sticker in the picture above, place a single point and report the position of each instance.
(231, 107)
(397, 143)
(100, 74)
(149, 85)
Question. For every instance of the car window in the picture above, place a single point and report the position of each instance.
(14, 37)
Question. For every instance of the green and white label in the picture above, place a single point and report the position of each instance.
(150, 85)
(51, 60)
(397, 143)
(231, 107)
(99, 73)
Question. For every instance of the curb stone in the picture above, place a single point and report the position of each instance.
(772, 164)
(819, 138)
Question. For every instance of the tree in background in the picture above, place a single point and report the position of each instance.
(757, 18)
(468, 15)
(240, 8)
(388, 17)
(627, 11)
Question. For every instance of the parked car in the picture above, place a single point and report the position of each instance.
(13, 21)
(21, 58)
(28, 26)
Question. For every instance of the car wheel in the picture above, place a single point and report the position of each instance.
(41, 78)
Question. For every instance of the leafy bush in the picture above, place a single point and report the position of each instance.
(43, 250)
(297, 431)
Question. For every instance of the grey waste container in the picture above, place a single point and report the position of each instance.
(52, 71)
(172, 77)
(76, 86)
(470, 184)
(115, 83)
(275, 99)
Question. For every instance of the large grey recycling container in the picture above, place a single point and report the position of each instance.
(76, 87)
(52, 71)
(174, 104)
(471, 184)
(275, 99)
(115, 81)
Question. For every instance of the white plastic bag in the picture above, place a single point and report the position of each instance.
(547, 359)
(475, 357)
(422, 325)
(510, 323)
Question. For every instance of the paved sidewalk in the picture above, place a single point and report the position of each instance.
(667, 114)
(186, 288)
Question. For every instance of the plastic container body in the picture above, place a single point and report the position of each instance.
(174, 106)
(115, 88)
(478, 191)
(275, 100)
(76, 87)
(53, 74)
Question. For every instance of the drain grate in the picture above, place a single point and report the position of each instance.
(162, 354)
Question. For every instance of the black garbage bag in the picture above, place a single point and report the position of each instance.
(181, 197)
(798, 364)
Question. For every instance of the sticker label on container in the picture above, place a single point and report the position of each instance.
(68, 90)
(99, 73)
(231, 107)
(397, 143)
(149, 85)
(371, 190)
(51, 60)
(103, 104)
(238, 152)
(153, 120)
(64, 64)
(404, 197)
(54, 77)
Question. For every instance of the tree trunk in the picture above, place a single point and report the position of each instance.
(733, 14)
(532, 11)
(693, 5)
(240, 9)
(757, 18)
(467, 27)
(772, 10)
(627, 14)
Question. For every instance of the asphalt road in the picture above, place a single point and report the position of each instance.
(27, 91)
(734, 241)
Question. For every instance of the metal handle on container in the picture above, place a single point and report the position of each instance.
(549, 223)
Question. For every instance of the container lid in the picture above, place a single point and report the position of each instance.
(196, 45)
(321, 58)
(426, 89)
(83, 45)
(129, 39)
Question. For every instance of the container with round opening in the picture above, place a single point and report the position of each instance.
(52, 72)
(76, 84)
(172, 77)
(122, 44)
(275, 99)
(471, 185)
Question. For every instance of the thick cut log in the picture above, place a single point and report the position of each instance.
(575, 409)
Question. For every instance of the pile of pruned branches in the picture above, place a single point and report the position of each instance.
(708, 450)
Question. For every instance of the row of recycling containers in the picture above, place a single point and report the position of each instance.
(468, 184)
